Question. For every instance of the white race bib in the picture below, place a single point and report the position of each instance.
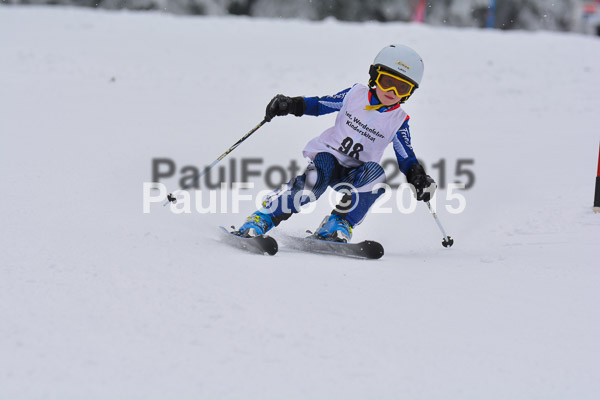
(358, 135)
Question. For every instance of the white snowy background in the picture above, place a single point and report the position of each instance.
(99, 300)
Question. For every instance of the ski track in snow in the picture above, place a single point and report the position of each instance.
(98, 300)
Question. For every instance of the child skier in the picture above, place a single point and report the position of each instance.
(349, 153)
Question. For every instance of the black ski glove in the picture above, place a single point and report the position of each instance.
(283, 105)
(424, 185)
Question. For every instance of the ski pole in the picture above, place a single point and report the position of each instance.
(172, 199)
(447, 241)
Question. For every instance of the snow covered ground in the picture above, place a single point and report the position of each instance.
(99, 300)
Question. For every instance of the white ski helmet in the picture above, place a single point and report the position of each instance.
(401, 61)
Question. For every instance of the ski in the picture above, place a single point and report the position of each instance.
(258, 244)
(367, 249)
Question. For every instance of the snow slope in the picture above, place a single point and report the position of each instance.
(99, 300)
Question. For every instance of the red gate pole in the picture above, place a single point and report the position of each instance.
(597, 194)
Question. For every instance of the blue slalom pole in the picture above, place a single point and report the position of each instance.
(491, 15)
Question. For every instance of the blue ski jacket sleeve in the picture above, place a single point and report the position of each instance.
(402, 147)
(317, 106)
(405, 154)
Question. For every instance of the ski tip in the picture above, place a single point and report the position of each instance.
(373, 250)
(256, 244)
(272, 248)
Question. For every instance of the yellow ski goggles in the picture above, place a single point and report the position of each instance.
(387, 82)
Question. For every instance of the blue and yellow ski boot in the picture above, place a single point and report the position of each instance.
(334, 228)
(257, 224)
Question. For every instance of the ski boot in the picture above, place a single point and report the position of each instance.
(257, 224)
(334, 228)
